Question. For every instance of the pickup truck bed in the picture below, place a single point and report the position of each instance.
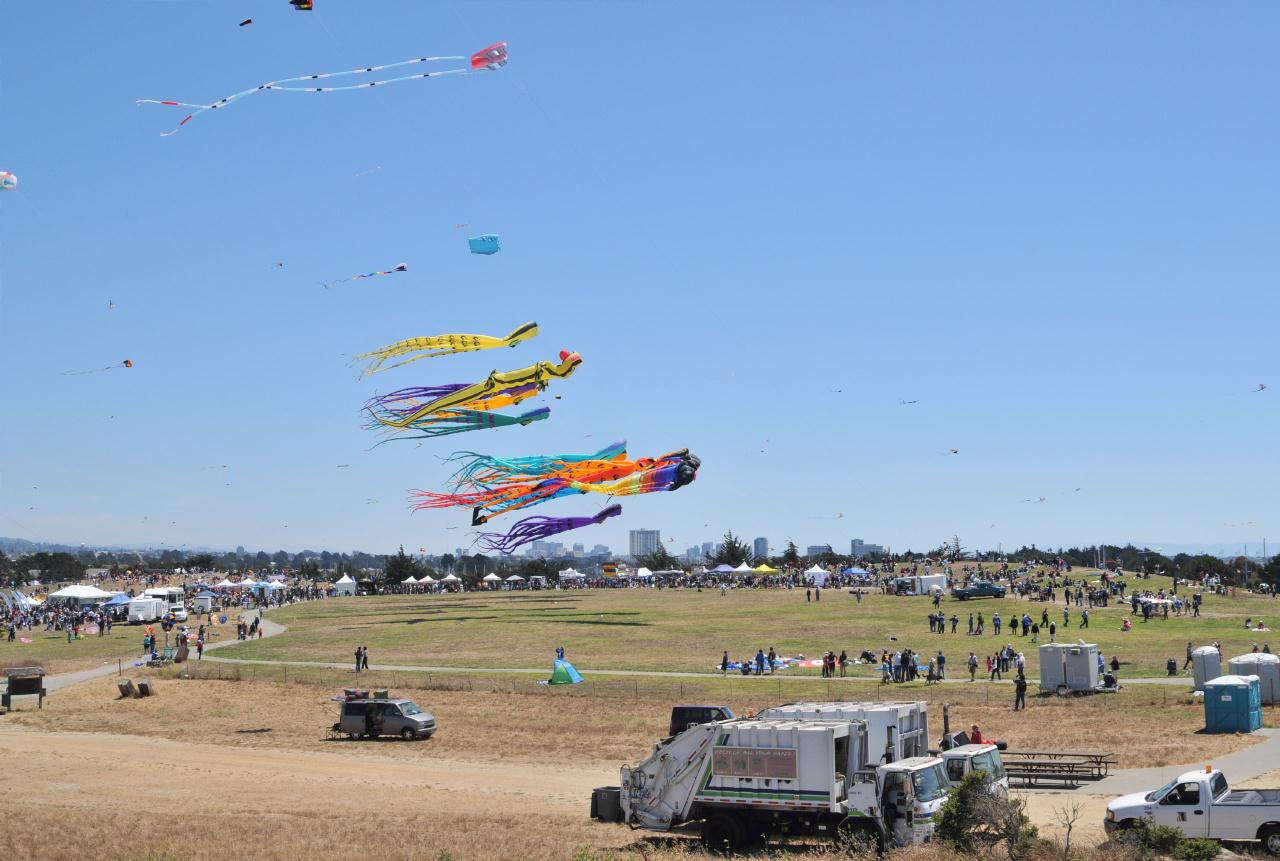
(1249, 796)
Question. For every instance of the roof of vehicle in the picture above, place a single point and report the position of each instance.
(970, 748)
(913, 762)
(391, 700)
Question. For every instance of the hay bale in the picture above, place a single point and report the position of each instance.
(127, 689)
(145, 688)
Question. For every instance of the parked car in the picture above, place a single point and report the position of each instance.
(370, 718)
(980, 589)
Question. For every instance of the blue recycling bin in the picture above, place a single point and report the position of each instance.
(1233, 704)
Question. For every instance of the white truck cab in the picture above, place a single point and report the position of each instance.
(965, 758)
(1202, 804)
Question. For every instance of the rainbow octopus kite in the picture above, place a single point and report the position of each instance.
(440, 345)
(487, 59)
(615, 477)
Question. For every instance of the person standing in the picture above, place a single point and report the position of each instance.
(364, 657)
(1020, 693)
(1035, 633)
(973, 667)
(955, 620)
(1084, 618)
(200, 648)
(995, 670)
(817, 593)
(844, 662)
(995, 622)
(970, 623)
(357, 659)
(724, 663)
(1053, 630)
(942, 665)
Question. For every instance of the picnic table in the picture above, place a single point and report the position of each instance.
(1070, 768)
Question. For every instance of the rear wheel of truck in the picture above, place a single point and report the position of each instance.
(857, 837)
(1270, 837)
(723, 833)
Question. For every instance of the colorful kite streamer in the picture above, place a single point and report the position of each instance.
(401, 267)
(461, 421)
(440, 345)
(539, 528)
(490, 58)
(482, 470)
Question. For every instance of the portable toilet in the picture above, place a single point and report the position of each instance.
(1053, 666)
(1263, 665)
(1206, 664)
(1081, 665)
(1232, 704)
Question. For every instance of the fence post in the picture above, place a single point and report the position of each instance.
(119, 666)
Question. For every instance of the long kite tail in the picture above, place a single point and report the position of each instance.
(440, 345)
(399, 267)
(483, 469)
(462, 421)
(537, 528)
(493, 57)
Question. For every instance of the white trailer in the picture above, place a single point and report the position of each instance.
(146, 609)
(173, 598)
(746, 779)
(1201, 804)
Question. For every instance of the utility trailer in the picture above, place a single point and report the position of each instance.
(743, 780)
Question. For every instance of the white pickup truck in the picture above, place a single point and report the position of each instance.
(1201, 804)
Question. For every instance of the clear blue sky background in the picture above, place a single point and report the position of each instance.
(1053, 225)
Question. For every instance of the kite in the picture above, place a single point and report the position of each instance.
(111, 305)
(487, 244)
(539, 528)
(441, 345)
(8, 182)
(461, 420)
(401, 267)
(246, 22)
(1037, 499)
(484, 470)
(614, 478)
(302, 5)
(127, 363)
(951, 451)
(490, 58)
(1262, 387)
(500, 387)
(904, 403)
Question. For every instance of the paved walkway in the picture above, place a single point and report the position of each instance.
(66, 680)
(1238, 767)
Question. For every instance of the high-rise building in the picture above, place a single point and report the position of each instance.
(644, 542)
(693, 554)
(707, 549)
(860, 548)
(817, 549)
(760, 547)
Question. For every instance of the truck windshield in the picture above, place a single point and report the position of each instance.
(929, 783)
(410, 709)
(990, 763)
(1159, 793)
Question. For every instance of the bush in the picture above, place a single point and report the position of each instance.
(1197, 849)
(1161, 839)
(974, 819)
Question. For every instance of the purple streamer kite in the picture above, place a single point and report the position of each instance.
(538, 528)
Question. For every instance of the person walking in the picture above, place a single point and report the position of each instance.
(942, 665)
(1035, 633)
(364, 657)
(724, 663)
(995, 670)
(1020, 693)
(973, 667)
(1053, 630)
(971, 624)
(1187, 663)
(1084, 618)
(995, 622)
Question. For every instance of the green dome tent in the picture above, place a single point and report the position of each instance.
(563, 673)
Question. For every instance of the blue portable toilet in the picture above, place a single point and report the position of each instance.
(487, 244)
(1233, 704)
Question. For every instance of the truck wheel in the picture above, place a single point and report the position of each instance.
(406, 734)
(856, 837)
(353, 736)
(723, 833)
(1270, 838)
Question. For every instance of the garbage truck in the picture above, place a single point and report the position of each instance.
(742, 780)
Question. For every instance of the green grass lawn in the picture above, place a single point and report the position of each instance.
(52, 651)
(647, 629)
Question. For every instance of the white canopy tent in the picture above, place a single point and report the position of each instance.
(409, 581)
(743, 568)
(515, 578)
(450, 578)
(81, 595)
(818, 575)
(643, 572)
(345, 585)
(427, 578)
(492, 578)
(225, 584)
(570, 574)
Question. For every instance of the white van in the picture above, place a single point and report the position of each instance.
(146, 609)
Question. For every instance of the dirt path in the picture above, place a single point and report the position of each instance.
(84, 769)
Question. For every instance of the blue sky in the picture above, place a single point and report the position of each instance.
(763, 225)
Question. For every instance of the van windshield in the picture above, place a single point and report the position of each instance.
(410, 708)
(929, 783)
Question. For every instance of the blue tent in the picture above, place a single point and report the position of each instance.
(118, 600)
(855, 571)
(487, 244)
(563, 673)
